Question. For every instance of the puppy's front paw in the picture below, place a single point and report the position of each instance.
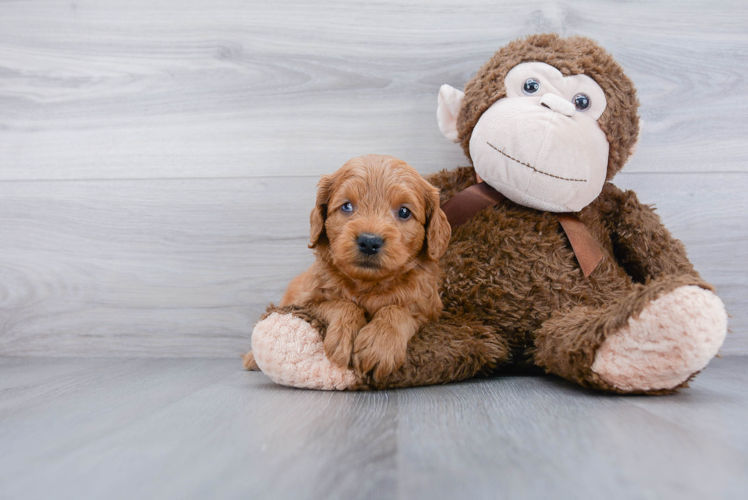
(378, 350)
(338, 344)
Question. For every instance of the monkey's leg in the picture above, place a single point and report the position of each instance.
(288, 346)
(652, 340)
(448, 350)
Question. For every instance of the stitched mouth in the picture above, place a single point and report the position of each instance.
(533, 168)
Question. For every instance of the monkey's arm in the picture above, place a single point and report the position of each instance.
(642, 244)
(451, 182)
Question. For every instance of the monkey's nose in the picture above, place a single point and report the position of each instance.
(557, 104)
(369, 244)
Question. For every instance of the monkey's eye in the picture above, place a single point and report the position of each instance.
(347, 207)
(531, 86)
(403, 213)
(581, 101)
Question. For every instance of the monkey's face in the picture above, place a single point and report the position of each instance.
(541, 145)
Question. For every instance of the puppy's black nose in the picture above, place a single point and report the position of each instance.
(369, 244)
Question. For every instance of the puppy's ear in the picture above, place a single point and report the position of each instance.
(438, 230)
(319, 212)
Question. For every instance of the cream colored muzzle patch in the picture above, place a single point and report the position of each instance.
(536, 146)
(539, 157)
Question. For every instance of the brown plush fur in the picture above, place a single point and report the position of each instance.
(513, 293)
(373, 304)
(513, 268)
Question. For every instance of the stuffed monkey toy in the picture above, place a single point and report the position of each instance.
(559, 270)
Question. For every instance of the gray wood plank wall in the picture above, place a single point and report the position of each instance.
(158, 159)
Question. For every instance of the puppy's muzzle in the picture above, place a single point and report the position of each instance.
(369, 244)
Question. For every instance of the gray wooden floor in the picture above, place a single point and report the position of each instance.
(203, 428)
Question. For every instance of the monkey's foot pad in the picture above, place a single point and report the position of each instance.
(290, 351)
(674, 337)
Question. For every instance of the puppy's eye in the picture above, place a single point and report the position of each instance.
(530, 86)
(347, 207)
(403, 213)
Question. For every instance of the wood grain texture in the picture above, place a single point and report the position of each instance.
(107, 89)
(158, 160)
(163, 268)
(185, 268)
(168, 428)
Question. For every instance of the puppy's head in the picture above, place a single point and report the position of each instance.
(378, 216)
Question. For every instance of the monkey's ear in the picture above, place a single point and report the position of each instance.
(450, 102)
(319, 212)
(438, 230)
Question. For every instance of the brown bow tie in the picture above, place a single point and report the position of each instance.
(468, 202)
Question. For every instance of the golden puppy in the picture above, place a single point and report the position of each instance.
(378, 234)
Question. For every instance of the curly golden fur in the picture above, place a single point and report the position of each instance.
(373, 304)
